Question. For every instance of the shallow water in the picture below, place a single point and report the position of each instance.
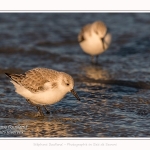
(114, 94)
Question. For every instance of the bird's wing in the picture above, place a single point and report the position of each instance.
(85, 29)
(99, 28)
(16, 77)
(34, 81)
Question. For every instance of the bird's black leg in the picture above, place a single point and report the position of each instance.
(96, 59)
(92, 60)
(40, 110)
(38, 107)
(46, 109)
(30, 102)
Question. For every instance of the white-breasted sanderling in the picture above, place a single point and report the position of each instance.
(42, 86)
(94, 39)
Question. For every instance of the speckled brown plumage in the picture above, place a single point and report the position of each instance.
(35, 79)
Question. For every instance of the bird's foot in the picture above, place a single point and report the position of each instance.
(38, 114)
(47, 112)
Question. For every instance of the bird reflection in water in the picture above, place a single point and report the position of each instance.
(96, 72)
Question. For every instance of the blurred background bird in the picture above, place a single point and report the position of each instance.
(94, 39)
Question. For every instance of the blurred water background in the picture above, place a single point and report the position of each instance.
(114, 94)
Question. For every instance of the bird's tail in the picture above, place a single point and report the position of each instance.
(8, 75)
(15, 77)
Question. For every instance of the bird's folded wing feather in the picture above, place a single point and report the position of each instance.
(34, 81)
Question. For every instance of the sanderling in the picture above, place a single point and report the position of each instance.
(42, 86)
(94, 39)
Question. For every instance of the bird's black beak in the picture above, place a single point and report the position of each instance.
(75, 94)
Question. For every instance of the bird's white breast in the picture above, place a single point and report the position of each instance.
(47, 97)
(92, 45)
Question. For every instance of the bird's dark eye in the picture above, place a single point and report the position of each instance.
(67, 84)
